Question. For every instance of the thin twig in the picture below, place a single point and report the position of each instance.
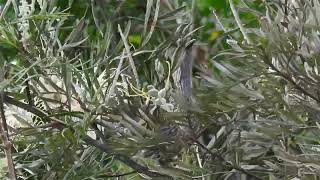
(237, 18)
(218, 21)
(4, 10)
(115, 79)
(5, 140)
(131, 62)
(137, 126)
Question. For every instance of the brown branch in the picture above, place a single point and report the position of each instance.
(31, 109)
(118, 175)
(6, 141)
(301, 89)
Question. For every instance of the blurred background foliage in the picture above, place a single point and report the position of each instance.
(88, 88)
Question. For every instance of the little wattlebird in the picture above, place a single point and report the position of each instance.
(178, 134)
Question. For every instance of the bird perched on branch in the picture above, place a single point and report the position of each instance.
(178, 134)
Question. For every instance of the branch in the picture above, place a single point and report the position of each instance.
(118, 175)
(31, 109)
(126, 160)
(6, 141)
(288, 78)
(237, 18)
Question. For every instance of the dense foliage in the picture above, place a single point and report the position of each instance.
(100, 89)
